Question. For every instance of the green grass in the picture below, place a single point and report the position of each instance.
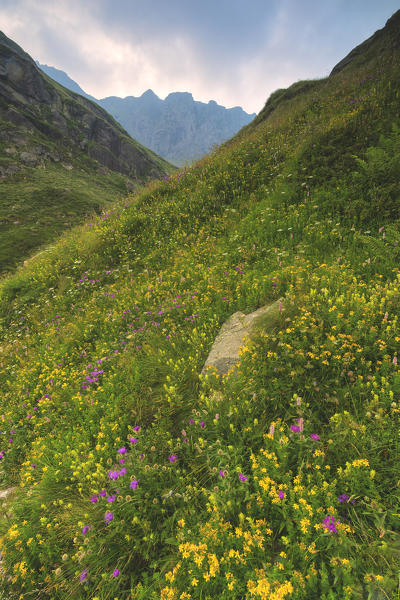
(38, 204)
(279, 480)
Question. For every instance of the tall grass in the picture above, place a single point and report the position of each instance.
(140, 478)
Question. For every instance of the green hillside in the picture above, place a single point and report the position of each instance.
(39, 204)
(136, 477)
(62, 158)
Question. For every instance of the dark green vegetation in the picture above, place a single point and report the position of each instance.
(62, 157)
(38, 204)
(136, 477)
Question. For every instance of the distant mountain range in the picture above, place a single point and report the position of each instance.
(179, 128)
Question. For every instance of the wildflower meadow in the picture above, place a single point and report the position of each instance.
(137, 477)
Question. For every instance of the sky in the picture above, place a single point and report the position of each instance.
(236, 52)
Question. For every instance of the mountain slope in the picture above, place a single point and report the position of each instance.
(65, 80)
(49, 139)
(178, 128)
(382, 42)
(32, 100)
(138, 478)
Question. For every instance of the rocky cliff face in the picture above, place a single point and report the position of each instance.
(40, 120)
(179, 128)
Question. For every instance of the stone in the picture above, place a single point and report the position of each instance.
(224, 353)
(8, 171)
(5, 493)
(29, 158)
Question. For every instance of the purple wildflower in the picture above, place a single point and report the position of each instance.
(343, 498)
(111, 498)
(242, 477)
(281, 494)
(85, 529)
(172, 457)
(314, 436)
(295, 428)
(108, 517)
(122, 450)
(329, 523)
(202, 424)
(134, 483)
(83, 575)
(137, 428)
(93, 499)
(221, 473)
(115, 573)
(132, 440)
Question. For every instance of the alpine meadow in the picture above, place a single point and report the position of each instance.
(127, 474)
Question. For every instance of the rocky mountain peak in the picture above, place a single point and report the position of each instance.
(149, 95)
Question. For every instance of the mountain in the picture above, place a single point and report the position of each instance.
(178, 128)
(57, 140)
(34, 104)
(382, 41)
(127, 473)
(65, 80)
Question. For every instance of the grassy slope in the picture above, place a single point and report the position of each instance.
(104, 337)
(38, 204)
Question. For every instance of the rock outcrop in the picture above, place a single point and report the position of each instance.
(5, 493)
(224, 353)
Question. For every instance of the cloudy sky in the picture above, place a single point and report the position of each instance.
(233, 51)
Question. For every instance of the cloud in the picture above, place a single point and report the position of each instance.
(127, 47)
(230, 51)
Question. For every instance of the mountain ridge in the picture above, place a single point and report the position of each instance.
(387, 34)
(179, 137)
